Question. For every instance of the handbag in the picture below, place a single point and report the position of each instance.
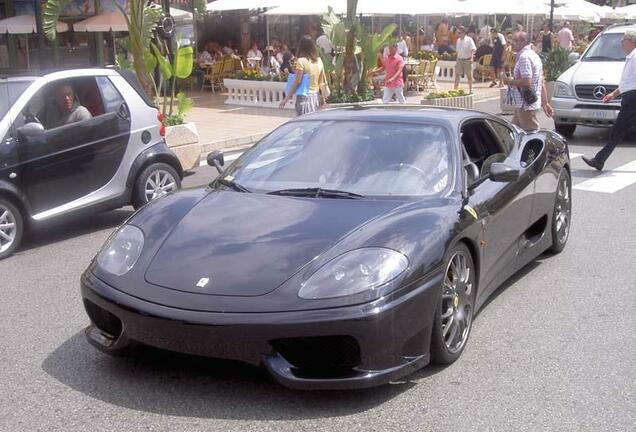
(325, 91)
(303, 87)
(529, 95)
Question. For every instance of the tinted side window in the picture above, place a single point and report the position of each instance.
(111, 97)
(505, 134)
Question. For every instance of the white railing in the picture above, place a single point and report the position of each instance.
(262, 94)
(447, 70)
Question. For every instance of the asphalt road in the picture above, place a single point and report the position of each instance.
(554, 350)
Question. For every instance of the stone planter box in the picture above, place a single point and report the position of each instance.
(454, 102)
(260, 94)
(446, 70)
(184, 141)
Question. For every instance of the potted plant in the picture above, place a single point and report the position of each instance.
(554, 64)
(451, 98)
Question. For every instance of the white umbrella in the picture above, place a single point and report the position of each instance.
(613, 13)
(578, 10)
(25, 24)
(629, 11)
(180, 15)
(225, 5)
(104, 22)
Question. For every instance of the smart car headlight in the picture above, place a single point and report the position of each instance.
(354, 272)
(562, 90)
(121, 251)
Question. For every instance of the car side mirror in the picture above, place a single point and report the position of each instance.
(216, 159)
(503, 173)
(573, 57)
(30, 130)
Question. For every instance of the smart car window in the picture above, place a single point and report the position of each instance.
(370, 159)
(10, 91)
(111, 98)
(606, 47)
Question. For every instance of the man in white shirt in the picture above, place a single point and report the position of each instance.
(565, 37)
(465, 54)
(254, 56)
(627, 91)
(324, 44)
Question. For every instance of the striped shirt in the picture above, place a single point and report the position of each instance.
(528, 66)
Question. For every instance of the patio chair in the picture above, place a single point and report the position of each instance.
(418, 79)
(228, 67)
(484, 70)
(216, 75)
(430, 76)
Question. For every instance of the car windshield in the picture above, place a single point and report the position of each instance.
(606, 47)
(10, 91)
(349, 159)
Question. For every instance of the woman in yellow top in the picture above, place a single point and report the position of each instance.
(307, 62)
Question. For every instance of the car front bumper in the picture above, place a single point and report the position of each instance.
(342, 348)
(586, 113)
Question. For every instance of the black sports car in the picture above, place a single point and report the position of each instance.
(346, 249)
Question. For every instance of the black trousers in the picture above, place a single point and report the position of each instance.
(625, 120)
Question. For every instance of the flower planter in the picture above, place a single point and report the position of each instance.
(262, 94)
(183, 140)
(454, 102)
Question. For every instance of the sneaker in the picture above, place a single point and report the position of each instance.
(593, 163)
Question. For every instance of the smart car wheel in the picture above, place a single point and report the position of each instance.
(454, 316)
(11, 228)
(562, 214)
(155, 181)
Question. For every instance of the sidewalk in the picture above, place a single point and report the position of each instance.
(230, 127)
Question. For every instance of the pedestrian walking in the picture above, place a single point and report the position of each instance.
(393, 64)
(627, 114)
(465, 56)
(308, 63)
(565, 37)
(527, 88)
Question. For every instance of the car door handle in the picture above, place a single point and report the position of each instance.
(123, 112)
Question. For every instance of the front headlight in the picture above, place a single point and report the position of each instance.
(121, 251)
(562, 90)
(354, 272)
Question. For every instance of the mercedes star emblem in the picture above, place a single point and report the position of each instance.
(599, 92)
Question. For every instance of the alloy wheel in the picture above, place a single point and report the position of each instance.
(563, 210)
(8, 228)
(457, 302)
(158, 184)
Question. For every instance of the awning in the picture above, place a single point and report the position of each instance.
(24, 24)
(104, 22)
(226, 5)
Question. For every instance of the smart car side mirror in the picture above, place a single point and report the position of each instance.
(30, 130)
(573, 57)
(216, 159)
(503, 173)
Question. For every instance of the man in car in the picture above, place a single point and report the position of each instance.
(66, 109)
(627, 114)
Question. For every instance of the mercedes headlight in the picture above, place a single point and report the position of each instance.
(562, 90)
(354, 272)
(121, 251)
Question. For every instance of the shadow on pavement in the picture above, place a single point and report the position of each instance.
(179, 385)
(53, 232)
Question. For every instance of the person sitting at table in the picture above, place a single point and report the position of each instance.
(228, 49)
(254, 55)
(204, 60)
(286, 65)
(280, 54)
(270, 65)
(427, 45)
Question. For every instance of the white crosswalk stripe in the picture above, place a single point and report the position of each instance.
(611, 181)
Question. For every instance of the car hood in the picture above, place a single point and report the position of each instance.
(593, 73)
(239, 244)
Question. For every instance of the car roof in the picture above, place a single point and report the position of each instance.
(395, 113)
(58, 73)
(620, 28)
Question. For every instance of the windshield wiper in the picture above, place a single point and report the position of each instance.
(232, 184)
(603, 58)
(317, 193)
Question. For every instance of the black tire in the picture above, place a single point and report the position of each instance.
(445, 351)
(562, 213)
(12, 225)
(564, 129)
(140, 196)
